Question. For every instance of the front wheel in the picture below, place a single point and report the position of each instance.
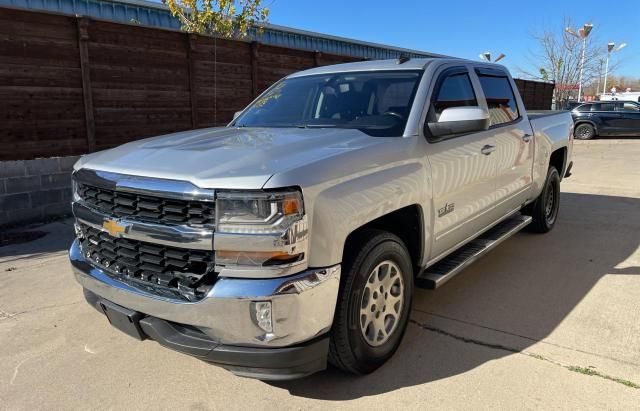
(374, 303)
(544, 211)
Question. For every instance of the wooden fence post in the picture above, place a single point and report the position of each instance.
(254, 68)
(83, 47)
(193, 92)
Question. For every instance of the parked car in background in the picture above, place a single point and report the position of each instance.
(606, 118)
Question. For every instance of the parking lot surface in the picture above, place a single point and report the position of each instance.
(542, 321)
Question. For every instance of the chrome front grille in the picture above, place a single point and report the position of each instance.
(173, 272)
(150, 208)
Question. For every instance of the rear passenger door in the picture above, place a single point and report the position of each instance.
(514, 140)
(608, 118)
(462, 176)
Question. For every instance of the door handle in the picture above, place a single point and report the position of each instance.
(488, 149)
(527, 137)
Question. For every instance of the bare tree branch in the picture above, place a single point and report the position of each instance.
(558, 57)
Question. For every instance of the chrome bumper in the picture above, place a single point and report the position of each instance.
(302, 304)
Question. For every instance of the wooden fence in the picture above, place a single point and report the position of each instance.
(536, 95)
(71, 85)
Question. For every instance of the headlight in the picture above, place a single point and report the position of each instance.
(257, 213)
(260, 234)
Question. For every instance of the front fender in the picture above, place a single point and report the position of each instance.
(356, 185)
(341, 209)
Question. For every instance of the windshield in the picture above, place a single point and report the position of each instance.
(377, 103)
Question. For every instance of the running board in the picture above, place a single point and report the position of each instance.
(445, 269)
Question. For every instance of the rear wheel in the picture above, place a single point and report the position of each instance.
(544, 210)
(374, 303)
(584, 131)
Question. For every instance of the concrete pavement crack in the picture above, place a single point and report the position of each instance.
(464, 339)
(582, 370)
(5, 315)
(42, 259)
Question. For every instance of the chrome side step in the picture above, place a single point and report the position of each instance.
(442, 271)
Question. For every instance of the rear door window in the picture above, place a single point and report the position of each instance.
(603, 107)
(500, 99)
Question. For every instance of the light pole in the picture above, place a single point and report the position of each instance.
(583, 33)
(611, 48)
(486, 56)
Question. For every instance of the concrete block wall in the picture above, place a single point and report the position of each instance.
(35, 190)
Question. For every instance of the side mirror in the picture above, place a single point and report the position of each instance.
(459, 120)
(236, 114)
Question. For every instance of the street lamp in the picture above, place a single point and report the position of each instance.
(486, 56)
(611, 48)
(583, 33)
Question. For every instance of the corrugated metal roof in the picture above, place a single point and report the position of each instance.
(157, 15)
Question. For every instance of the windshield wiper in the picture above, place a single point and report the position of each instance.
(316, 126)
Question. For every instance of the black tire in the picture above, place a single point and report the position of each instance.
(349, 349)
(584, 131)
(544, 210)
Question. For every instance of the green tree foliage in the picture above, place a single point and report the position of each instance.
(227, 18)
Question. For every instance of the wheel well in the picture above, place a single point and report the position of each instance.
(406, 223)
(558, 160)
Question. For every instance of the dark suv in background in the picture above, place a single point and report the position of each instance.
(606, 118)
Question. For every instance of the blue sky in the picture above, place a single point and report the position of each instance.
(464, 28)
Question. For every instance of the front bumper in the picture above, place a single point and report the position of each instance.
(303, 304)
(263, 363)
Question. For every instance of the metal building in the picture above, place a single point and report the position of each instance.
(157, 15)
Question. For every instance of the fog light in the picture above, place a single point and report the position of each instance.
(261, 315)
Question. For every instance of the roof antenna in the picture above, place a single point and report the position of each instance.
(403, 58)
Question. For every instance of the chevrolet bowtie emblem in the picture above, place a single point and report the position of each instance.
(113, 227)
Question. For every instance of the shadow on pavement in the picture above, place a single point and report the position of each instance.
(526, 288)
(58, 237)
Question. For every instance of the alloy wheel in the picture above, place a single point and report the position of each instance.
(382, 303)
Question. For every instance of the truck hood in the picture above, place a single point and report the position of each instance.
(241, 158)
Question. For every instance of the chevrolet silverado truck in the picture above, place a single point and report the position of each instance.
(294, 236)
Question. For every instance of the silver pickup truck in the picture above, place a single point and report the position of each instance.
(295, 236)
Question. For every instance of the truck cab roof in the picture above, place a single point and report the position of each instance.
(385, 65)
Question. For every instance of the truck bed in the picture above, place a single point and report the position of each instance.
(552, 130)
